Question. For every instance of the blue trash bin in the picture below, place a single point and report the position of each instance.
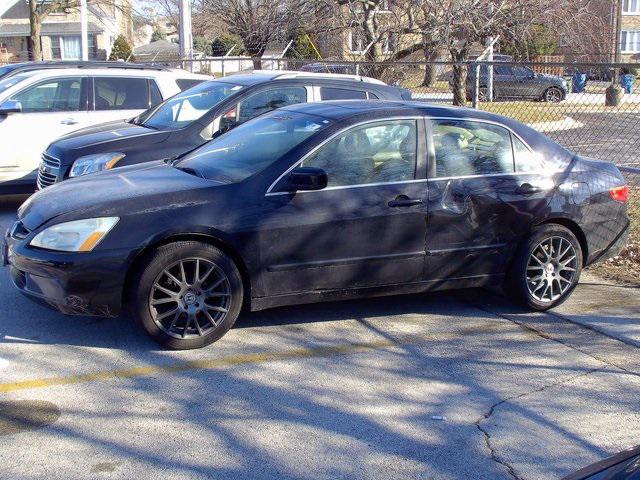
(579, 82)
(626, 81)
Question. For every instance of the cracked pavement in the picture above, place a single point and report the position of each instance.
(442, 386)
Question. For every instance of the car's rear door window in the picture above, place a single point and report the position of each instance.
(267, 100)
(466, 148)
(155, 97)
(380, 152)
(120, 93)
(526, 161)
(331, 93)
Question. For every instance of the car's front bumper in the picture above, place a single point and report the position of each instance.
(88, 283)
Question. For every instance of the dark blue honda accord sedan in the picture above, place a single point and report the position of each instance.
(318, 202)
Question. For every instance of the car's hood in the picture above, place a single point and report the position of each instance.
(106, 134)
(112, 193)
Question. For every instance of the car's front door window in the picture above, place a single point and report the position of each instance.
(467, 148)
(380, 152)
(55, 95)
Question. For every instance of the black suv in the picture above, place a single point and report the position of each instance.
(517, 82)
(188, 120)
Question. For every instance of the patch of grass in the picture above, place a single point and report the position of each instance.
(525, 112)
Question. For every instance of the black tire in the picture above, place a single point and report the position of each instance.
(553, 95)
(522, 275)
(142, 288)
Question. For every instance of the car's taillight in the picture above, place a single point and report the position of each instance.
(620, 194)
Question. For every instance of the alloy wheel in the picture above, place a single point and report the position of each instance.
(483, 94)
(551, 269)
(553, 95)
(190, 298)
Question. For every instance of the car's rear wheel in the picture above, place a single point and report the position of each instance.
(546, 268)
(553, 95)
(186, 295)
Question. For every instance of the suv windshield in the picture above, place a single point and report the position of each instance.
(252, 146)
(188, 106)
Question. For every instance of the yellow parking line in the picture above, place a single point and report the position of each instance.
(250, 358)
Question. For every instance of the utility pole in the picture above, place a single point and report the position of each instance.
(84, 35)
(613, 94)
(185, 33)
(490, 43)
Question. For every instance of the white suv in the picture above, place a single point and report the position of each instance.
(37, 107)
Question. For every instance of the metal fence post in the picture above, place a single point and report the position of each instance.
(476, 87)
(222, 66)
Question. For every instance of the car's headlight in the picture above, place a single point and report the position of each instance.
(95, 163)
(76, 236)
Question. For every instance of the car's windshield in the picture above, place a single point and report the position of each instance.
(252, 146)
(11, 81)
(188, 106)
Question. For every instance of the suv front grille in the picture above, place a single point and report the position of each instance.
(48, 171)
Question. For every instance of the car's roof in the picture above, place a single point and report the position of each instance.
(113, 71)
(343, 109)
(261, 76)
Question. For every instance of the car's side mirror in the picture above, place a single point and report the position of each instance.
(10, 106)
(304, 178)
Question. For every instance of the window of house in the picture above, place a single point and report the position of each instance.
(69, 47)
(119, 93)
(631, 6)
(465, 148)
(630, 41)
(381, 152)
(330, 93)
(56, 95)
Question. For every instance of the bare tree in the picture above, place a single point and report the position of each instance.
(260, 22)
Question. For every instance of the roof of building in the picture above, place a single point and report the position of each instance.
(159, 47)
(48, 28)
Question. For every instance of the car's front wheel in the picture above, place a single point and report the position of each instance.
(546, 268)
(553, 95)
(186, 294)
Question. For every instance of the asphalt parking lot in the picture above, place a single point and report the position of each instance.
(445, 386)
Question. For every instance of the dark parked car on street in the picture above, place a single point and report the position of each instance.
(517, 82)
(192, 118)
(317, 202)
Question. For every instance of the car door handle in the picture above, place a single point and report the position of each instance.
(528, 189)
(404, 201)
(68, 121)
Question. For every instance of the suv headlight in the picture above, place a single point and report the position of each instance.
(76, 236)
(95, 163)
